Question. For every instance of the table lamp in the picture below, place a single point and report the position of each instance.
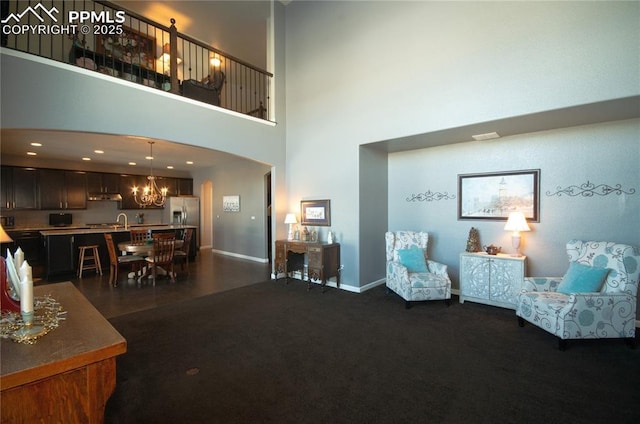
(516, 223)
(4, 237)
(6, 301)
(291, 220)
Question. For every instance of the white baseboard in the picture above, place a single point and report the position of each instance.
(370, 286)
(237, 255)
(330, 283)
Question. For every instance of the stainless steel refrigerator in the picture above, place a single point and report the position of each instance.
(183, 210)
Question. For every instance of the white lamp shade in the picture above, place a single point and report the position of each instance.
(165, 55)
(516, 222)
(290, 219)
(4, 237)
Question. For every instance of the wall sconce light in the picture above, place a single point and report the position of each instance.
(215, 62)
(516, 223)
(291, 220)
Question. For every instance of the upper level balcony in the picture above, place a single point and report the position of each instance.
(104, 37)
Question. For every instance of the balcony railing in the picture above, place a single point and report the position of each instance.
(125, 45)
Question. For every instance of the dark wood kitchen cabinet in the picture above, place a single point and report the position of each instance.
(127, 182)
(61, 255)
(19, 188)
(170, 184)
(62, 189)
(185, 186)
(177, 186)
(99, 182)
(31, 243)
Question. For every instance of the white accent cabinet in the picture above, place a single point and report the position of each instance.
(491, 279)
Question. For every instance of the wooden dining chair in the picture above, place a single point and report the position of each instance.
(116, 261)
(182, 255)
(138, 236)
(162, 255)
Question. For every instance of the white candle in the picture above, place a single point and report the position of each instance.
(10, 258)
(18, 258)
(26, 295)
(26, 271)
(12, 273)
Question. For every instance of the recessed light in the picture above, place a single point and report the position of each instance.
(486, 136)
(32, 153)
(86, 158)
(169, 166)
(189, 162)
(148, 157)
(99, 151)
(132, 163)
(34, 144)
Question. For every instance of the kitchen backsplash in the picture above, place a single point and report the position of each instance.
(96, 213)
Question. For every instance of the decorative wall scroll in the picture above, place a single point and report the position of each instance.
(493, 196)
(589, 189)
(430, 196)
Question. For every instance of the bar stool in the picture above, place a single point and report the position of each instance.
(93, 260)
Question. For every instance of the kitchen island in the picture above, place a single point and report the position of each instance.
(61, 245)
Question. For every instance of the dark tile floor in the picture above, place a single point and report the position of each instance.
(209, 273)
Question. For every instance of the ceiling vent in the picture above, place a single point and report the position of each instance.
(487, 136)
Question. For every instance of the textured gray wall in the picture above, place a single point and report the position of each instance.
(599, 154)
(362, 72)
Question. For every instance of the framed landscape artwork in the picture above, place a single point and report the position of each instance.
(315, 212)
(492, 196)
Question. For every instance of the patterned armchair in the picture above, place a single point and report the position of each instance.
(409, 273)
(606, 312)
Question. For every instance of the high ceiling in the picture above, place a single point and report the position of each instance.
(247, 18)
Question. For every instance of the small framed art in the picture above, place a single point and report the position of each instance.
(231, 203)
(315, 212)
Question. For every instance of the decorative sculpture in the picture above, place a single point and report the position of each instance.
(473, 242)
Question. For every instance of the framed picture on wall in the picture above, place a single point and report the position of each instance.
(131, 46)
(231, 203)
(315, 212)
(492, 196)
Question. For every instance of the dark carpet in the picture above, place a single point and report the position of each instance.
(275, 353)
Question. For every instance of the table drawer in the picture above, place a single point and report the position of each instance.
(315, 257)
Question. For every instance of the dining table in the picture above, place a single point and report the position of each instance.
(144, 250)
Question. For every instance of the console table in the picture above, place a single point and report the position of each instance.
(323, 260)
(491, 279)
(69, 374)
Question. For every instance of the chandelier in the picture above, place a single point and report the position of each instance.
(151, 195)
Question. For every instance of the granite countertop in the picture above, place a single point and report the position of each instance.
(41, 227)
(48, 230)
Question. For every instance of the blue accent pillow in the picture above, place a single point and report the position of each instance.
(582, 278)
(413, 259)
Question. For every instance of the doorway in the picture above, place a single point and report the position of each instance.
(267, 184)
(206, 213)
